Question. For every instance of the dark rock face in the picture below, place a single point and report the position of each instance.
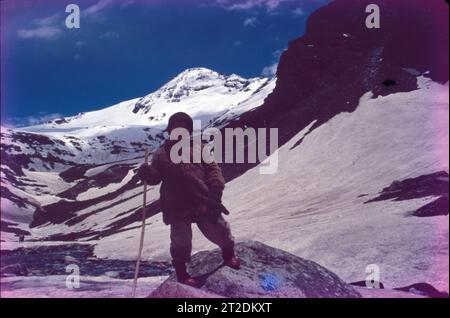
(326, 71)
(413, 188)
(437, 207)
(363, 283)
(75, 173)
(10, 227)
(36, 145)
(433, 184)
(424, 289)
(64, 210)
(265, 272)
(114, 174)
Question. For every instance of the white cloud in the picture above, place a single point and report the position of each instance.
(246, 5)
(46, 28)
(127, 3)
(42, 32)
(97, 7)
(277, 53)
(40, 118)
(80, 43)
(298, 12)
(250, 21)
(270, 5)
(48, 21)
(109, 35)
(50, 27)
(270, 71)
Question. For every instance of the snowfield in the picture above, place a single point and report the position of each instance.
(314, 205)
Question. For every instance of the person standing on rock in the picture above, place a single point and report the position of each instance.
(190, 193)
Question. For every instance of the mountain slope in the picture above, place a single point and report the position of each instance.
(337, 60)
(316, 207)
(200, 92)
(58, 168)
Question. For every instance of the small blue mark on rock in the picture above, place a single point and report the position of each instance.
(270, 282)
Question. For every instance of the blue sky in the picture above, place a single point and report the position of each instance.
(126, 49)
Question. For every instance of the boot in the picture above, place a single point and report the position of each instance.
(182, 275)
(229, 258)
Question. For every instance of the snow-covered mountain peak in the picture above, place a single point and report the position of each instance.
(119, 132)
(194, 77)
(195, 82)
(199, 78)
(200, 92)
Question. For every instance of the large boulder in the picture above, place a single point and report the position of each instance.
(265, 272)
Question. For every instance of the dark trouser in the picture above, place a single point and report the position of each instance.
(181, 236)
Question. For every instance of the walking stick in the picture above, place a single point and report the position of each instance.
(141, 242)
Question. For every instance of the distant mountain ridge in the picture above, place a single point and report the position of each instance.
(68, 147)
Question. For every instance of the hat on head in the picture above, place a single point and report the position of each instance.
(180, 120)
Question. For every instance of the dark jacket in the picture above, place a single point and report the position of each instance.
(185, 186)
